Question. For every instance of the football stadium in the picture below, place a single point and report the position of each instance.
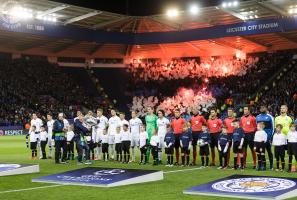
(150, 99)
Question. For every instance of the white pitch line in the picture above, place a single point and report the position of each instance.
(181, 170)
(28, 189)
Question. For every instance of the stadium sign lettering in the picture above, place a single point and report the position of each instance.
(253, 27)
(11, 130)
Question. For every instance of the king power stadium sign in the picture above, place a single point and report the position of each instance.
(254, 27)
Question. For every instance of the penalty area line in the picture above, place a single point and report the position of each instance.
(28, 189)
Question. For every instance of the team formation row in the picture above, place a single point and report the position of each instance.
(96, 137)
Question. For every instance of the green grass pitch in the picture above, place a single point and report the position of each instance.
(13, 150)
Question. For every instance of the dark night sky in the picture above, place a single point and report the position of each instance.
(138, 7)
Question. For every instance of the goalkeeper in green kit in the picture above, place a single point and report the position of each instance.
(151, 124)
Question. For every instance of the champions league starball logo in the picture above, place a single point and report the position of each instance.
(9, 21)
(109, 172)
(101, 175)
(253, 185)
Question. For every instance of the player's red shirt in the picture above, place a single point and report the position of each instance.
(196, 122)
(248, 124)
(228, 124)
(178, 125)
(214, 125)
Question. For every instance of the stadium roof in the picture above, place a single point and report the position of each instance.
(208, 16)
(103, 20)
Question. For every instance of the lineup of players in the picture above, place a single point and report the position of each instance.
(96, 137)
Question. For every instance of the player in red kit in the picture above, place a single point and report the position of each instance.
(177, 124)
(249, 126)
(196, 122)
(228, 123)
(214, 125)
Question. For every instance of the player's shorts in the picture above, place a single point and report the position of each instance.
(135, 141)
(33, 145)
(204, 150)
(177, 141)
(143, 149)
(185, 150)
(280, 151)
(169, 150)
(105, 148)
(111, 139)
(118, 147)
(236, 148)
(292, 148)
(161, 142)
(126, 146)
(214, 140)
(248, 140)
(195, 135)
(260, 147)
(96, 136)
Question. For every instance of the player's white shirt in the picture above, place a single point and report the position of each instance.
(118, 138)
(292, 137)
(162, 124)
(104, 139)
(37, 123)
(69, 136)
(50, 125)
(113, 123)
(66, 123)
(126, 136)
(103, 122)
(32, 136)
(279, 139)
(260, 136)
(88, 138)
(134, 124)
(43, 135)
(142, 138)
(155, 140)
(122, 122)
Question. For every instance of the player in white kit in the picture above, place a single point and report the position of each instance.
(123, 120)
(162, 123)
(134, 124)
(37, 122)
(102, 124)
(50, 142)
(113, 122)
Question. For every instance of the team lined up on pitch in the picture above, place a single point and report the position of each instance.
(96, 137)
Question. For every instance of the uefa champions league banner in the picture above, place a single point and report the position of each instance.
(9, 23)
(102, 177)
(7, 169)
(248, 187)
(12, 130)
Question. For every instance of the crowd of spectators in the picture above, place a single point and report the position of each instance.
(257, 71)
(182, 69)
(30, 85)
(35, 85)
(183, 100)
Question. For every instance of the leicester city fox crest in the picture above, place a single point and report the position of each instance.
(253, 185)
